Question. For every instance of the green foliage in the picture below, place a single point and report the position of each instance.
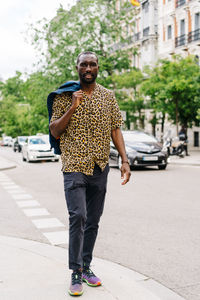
(94, 25)
(173, 88)
(129, 96)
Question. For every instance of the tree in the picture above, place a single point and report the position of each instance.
(95, 25)
(173, 87)
(130, 99)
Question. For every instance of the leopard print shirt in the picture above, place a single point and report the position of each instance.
(86, 140)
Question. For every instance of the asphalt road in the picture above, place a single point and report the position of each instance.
(151, 225)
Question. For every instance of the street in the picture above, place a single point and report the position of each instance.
(151, 225)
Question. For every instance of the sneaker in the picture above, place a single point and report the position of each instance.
(90, 278)
(76, 288)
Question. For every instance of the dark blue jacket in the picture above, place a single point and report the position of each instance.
(69, 86)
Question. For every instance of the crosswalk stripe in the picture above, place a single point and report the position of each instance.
(57, 237)
(47, 223)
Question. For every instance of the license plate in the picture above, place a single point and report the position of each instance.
(150, 158)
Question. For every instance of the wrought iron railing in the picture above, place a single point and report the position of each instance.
(146, 31)
(180, 3)
(194, 35)
(180, 40)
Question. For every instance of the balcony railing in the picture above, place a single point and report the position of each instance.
(194, 35)
(180, 3)
(137, 36)
(146, 31)
(180, 40)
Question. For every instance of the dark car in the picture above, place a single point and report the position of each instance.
(18, 143)
(142, 150)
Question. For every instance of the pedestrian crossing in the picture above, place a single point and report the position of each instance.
(39, 216)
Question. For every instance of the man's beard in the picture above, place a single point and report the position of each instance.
(84, 79)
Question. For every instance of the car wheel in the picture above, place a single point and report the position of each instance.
(27, 158)
(163, 167)
(119, 162)
(23, 158)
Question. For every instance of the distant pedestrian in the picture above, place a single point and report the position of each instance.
(183, 137)
(85, 121)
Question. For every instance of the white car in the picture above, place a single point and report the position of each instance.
(36, 148)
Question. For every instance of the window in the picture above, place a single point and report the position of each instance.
(145, 6)
(169, 32)
(197, 21)
(182, 27)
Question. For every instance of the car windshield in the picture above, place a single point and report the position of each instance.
(36, 141)
(22, 139)
(140, 137)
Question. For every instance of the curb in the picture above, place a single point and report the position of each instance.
(49, 264)
(6, 164)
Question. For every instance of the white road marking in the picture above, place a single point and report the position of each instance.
(10, 187)
(28, 203)
(57, 237)
(5, 180)
(15, 191)
(47, 223)
(21, 196)
(34, 212)
(7, 184)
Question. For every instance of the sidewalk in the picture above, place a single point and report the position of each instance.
(6, 164)
(193, 159)
(36, 271)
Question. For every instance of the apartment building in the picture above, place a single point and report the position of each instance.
(141, 32)
(179, 28)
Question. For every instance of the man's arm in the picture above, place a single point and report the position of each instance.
(57, 127)
(118, 141)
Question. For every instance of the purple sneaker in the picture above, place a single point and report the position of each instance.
(90, 278)
(76, 287)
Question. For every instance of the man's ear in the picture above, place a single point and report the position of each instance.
(76, 68)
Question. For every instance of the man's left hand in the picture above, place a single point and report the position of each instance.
(125, 173)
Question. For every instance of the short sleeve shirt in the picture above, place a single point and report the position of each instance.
(86, 140)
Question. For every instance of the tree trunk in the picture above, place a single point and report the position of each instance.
(162, 125)
(177, 116)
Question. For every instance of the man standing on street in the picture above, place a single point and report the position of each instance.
(85, 121)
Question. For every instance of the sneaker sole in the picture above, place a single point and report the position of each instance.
(90, 284)
(75, 294)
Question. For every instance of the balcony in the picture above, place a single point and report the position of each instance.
(180, 3)
(146, 31)
(137, 36)
(180, 40)
(194, 35)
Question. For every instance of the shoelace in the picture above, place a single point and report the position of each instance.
(89, 273)
(76, 278)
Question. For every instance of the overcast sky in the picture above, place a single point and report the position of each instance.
(15, 53)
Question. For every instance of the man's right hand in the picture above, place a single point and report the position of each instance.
(76, 98)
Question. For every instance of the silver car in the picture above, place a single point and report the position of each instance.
(142, 150)
(36, 148)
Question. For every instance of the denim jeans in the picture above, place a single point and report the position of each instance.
(85, 195)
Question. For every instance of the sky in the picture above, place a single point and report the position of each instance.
(15, 15)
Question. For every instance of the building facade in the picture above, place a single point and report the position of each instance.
(163, 28)
(179, 28)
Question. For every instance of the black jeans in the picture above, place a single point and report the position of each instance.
(85, 196)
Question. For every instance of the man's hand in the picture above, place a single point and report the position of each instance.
(125, 172)
(76, 98)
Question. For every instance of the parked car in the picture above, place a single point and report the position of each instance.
(142, 150)
(18, 143)
(36, 148)
(6, 140)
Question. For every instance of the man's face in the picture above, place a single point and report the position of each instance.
(87, 68)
